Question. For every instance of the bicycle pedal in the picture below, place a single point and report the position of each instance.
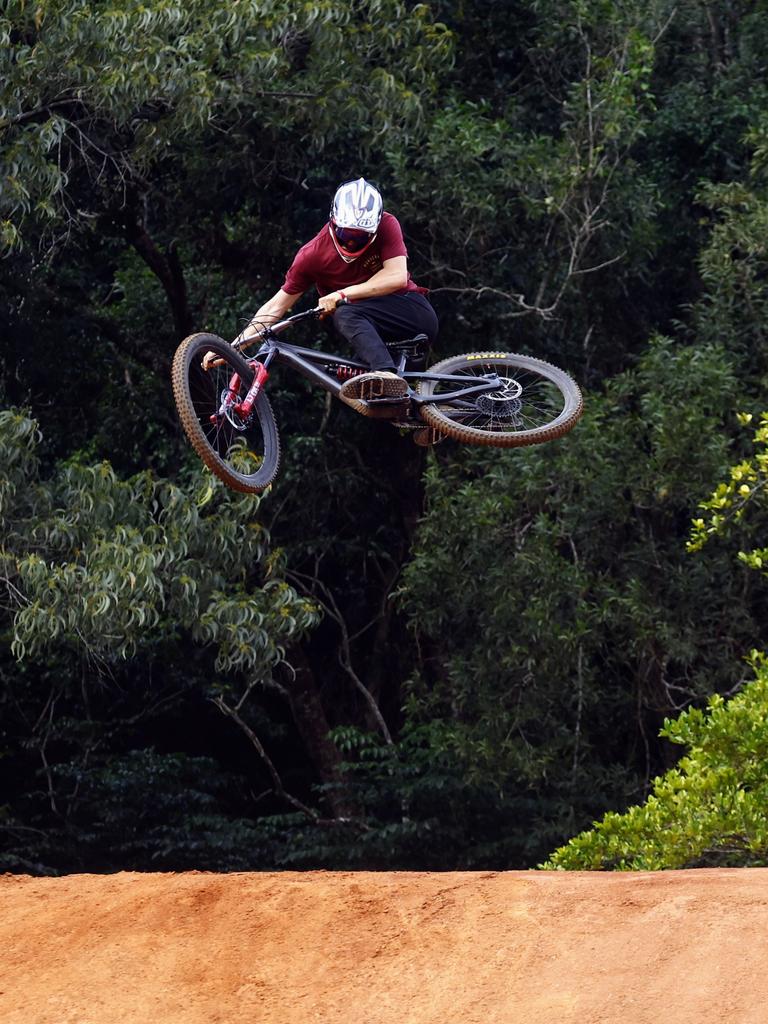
(378, 391)
(375, 387)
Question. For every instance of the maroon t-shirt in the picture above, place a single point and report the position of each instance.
(317, 263)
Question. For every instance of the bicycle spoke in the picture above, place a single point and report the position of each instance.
(531, 401)
(539, 402)
(235, 448)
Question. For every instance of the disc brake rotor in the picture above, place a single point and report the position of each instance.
(232, 417)
(503, 404)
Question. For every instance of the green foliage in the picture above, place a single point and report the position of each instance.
(105, 566)
(574, 177)
(557, 615)
(97, 96)
(126, 599)
(153, 811)
(735, 260)
(420, 811)
(509, 174)
(708, 811)
(743, 492)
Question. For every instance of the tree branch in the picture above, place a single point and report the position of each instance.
(277, 782)
(345, 653)
(166, 267)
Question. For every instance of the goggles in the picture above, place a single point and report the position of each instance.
(352, 239)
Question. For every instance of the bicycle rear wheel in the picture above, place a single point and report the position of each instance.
(244, 453)
(536, 402)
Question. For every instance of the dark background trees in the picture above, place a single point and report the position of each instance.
(466, 655)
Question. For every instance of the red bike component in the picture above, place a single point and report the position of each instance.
(229, 398)
(245, 407)
(347, 372)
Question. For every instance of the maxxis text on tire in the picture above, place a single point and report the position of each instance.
(550, 401)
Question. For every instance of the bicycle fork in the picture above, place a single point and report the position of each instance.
(229, 402)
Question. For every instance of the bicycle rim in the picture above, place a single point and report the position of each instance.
(244, 454)
(535, 402)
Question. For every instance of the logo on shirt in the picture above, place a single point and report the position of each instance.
(372, 262)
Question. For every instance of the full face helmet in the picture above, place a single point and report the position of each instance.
(355, 217)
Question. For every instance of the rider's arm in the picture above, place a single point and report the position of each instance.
(274, 309)
(392, 277)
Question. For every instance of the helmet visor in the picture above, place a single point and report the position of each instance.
(352, 239)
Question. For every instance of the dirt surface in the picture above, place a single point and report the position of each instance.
(685, 947)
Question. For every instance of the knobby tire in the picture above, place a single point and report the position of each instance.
(245, 457)
(549, 403)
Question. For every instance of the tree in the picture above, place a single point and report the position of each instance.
(548, 157)
(149, 587)
(555, 620)
(709, 811)
(103, 111)
(558, 620)
(734, 262)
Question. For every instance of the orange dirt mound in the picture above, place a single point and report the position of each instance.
(686, 947)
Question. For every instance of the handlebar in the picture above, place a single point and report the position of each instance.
(315, 311)
(279, 326)
(273, 329)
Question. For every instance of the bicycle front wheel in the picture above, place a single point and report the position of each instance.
(535, 402)
(244, 453)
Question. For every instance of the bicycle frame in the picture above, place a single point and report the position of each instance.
(494, 399)
(305, 361)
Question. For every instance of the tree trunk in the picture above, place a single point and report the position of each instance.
(312, 725)
(166, 266)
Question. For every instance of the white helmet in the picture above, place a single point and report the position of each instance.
(357, 204)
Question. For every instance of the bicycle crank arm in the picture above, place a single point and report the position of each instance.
(379, 408)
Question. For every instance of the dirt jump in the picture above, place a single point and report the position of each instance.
(685, 947)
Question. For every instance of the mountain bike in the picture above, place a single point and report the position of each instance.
(483, 398)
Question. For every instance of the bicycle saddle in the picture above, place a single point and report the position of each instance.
(415, 346)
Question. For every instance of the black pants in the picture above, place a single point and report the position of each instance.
(369, 323)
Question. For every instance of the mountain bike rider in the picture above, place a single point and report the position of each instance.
(359, 264)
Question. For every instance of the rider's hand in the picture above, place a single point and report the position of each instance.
(329, 302)
(248, 336)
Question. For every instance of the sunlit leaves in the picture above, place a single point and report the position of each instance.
(251, 630)
(710, 810)
(104, 566)
(737, 500)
